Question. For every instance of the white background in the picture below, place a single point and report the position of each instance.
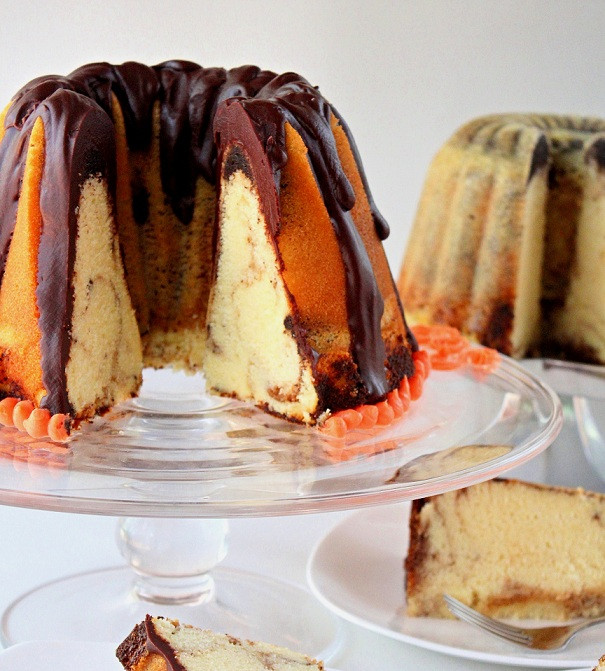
(404, 75)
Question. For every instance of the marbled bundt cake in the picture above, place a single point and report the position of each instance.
(509, 236)
(510, 549)
(158, 644)
(194, 217)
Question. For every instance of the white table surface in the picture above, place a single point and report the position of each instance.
(37, 546)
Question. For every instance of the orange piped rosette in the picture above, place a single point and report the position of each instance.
(448, 349)
(383, 413)
(441, 348)
(37, 422)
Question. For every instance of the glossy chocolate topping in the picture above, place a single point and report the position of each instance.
(134, 85)
(596, 152)
(188, 95)
(290, 99)
(18, 125)
(190, 99)
(142, 640)
(155, 643)
(382, 227)
(539, 157)
(79, 136)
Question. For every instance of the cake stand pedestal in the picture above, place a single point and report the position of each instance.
(172, 571)
(175, 464)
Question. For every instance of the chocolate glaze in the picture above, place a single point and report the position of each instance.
(13, 150)
(141, 641)
(540, 157)
(84, 138)
(596, 152)
(133, 648)
(79, 137)
(290, 99)
(380, 223)
(155, 643)
(188, 95)
(191, 100)
(135, 86)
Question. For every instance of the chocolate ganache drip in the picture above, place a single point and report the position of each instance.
(290, 99)
(157, 644)
(144, 640)
(188, 97)
(18, 124)
(79, 140)
(136, 88)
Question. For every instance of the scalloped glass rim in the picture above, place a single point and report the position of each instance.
(177, 452)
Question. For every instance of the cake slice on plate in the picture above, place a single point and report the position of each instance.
(160, 644)
(510, 549)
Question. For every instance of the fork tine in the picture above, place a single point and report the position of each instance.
(474, 616)
(495, 627)
(495, 630)
(507, 635)
(490, 625)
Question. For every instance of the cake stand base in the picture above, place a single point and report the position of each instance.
(103, 606)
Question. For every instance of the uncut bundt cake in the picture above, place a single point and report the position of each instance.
(193, 217)
(510, 549)
(159, 644)
(509, 237)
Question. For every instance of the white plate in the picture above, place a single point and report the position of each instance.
(61, 656)
(357, 571)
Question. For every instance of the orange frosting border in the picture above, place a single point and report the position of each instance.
(37, 422)
(441, 348)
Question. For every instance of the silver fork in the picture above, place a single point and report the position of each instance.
(539, 638)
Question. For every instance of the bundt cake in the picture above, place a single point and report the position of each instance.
(510, 549)
(159, 644)
(509, 237)
(196, 217)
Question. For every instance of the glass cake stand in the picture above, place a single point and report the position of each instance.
(176, 463)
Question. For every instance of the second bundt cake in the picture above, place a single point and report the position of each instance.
(509, 236)
(194, 217)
